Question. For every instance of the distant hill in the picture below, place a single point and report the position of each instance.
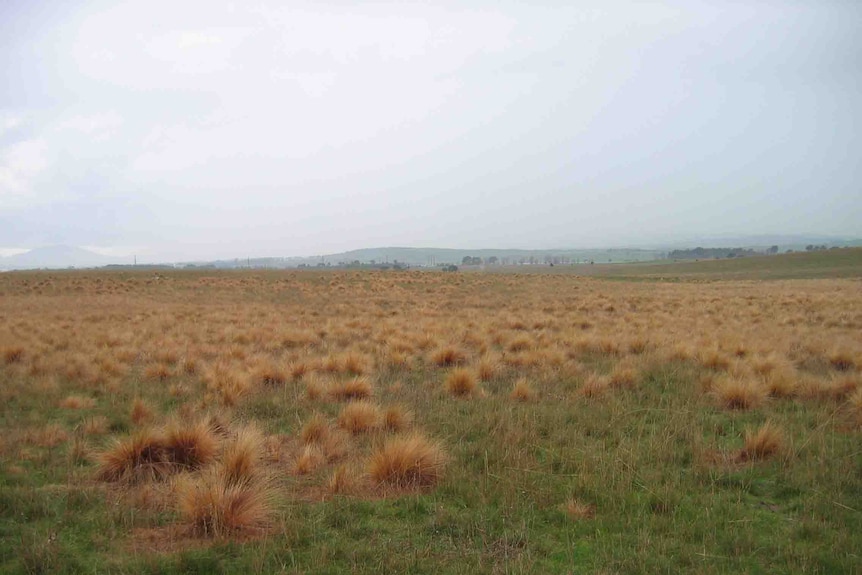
(56, 257)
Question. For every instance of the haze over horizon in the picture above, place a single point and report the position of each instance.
(216, 129)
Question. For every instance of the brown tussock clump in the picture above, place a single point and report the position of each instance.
(594, 386)
(842, 360)
(158, 372)
(213, 506)
(141, 456)
(77, 402)
(271, 375)
(762, 443)
(623, 377)
(308, 460)
(714, 360)
(140, 412)
(96, 425)
(344, 480)
(461, 382)
(314, 388)
(522, 391)
(407, 461)
(781, 382)
(356, 388)
(315, 430)
(241, 456)
(487, 369)
(190, 445)
(360, 417)
(397, 418)
(736, 393)
(577, 509)
(13, 355)
(354, 364)
(449, 356)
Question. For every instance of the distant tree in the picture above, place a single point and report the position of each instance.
(772, 250)
(493, 260)
(466, 260)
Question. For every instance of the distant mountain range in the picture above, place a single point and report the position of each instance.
(55, 257)
(62, 256)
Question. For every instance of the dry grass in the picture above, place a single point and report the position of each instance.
(407, 461)
(190, 445)
(344, 480)
(595, 386)
(315, 430)
(356, 388)
(522, 391)
(242, 454)
(214, 506)
(141, 456)
(141, 412)
(360, 417)
(764, 442)
(461, 382)
(308, 460)
(13, 354)
(77, 402)
(397, 418)
(577, 509)
(449, 356)
(735, 393)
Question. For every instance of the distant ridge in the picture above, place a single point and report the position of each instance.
(56, 257)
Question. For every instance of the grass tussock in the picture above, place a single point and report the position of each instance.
(141, 412)
(762, 443)
(736, 393)
(594, 386)
(522, 391)
(407, 461)
(241, 456)
(309, 460)
(212, 505)
(77, 402)
(578, 510)
(461, 382)
(141, 456)
(315, 430)
(449, 356)
(13, 354)
(344, 480)
(190, 445)
(355, 388)
(397, 418)
(360, 417)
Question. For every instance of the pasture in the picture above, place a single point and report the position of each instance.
(429, 422)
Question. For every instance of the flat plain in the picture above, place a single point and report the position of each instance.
(645, 418)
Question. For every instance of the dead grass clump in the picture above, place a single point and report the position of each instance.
(407, 461)
(314, 388)
(241, 455)
(623, 377)
(190, 445)
(96, 425)
(520, 344)
(449, 356)
(735, 393)
(762, 443)
(842, 360)
(343, 480)
(158, 372)
(315, 430)
(354, 364)
(714, 360)
(356, 388)
(594, 386)
(271, 374)
(842, 386)
(141, 456)
(360, 417)
(13, 354)
(214, 506)
(487, 369)
(577, 509)
(309, 460)
(77, 402)
(781, 382)
(397, 418)
(522, 391)
(140, 412)
(461, 382)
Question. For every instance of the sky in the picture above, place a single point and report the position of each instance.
(204, 129)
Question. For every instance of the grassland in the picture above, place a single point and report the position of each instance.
(427, 422)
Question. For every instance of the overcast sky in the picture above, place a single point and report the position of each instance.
(201, 129)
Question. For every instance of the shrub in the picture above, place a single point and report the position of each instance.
(407, 461)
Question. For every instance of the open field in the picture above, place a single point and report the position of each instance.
(428, 422)
(836, 263)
